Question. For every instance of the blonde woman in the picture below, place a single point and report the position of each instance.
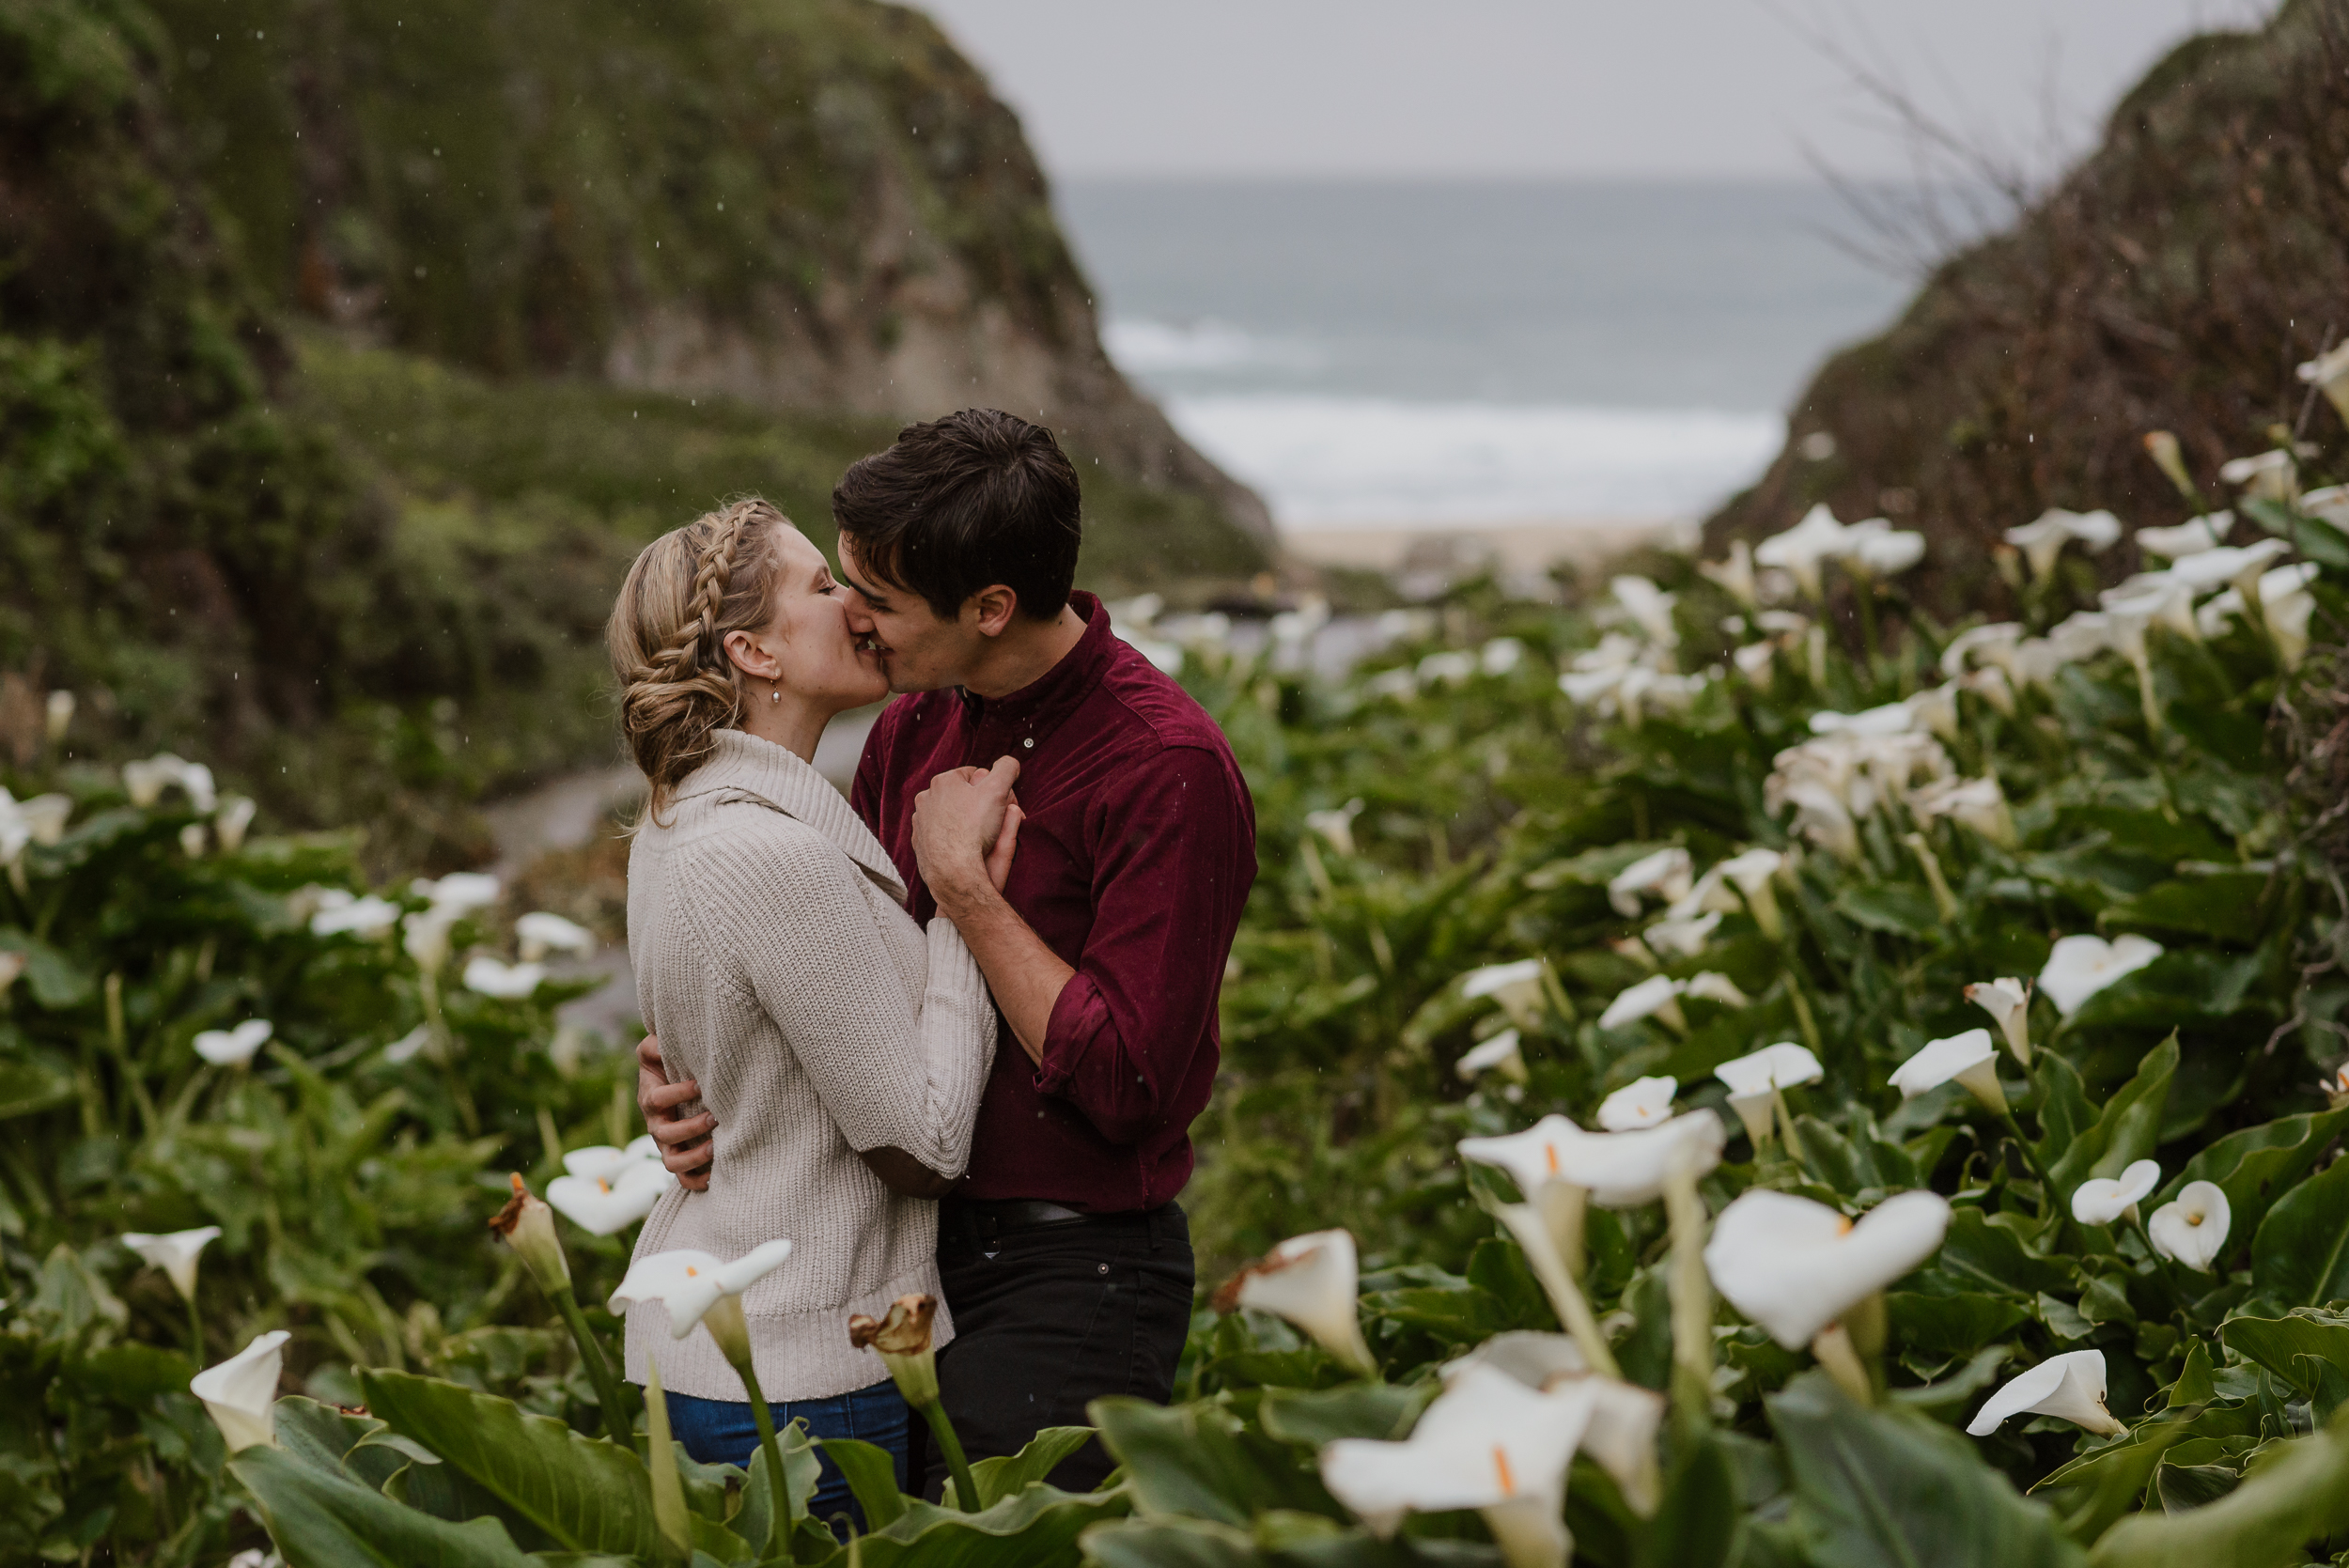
(841, 1046)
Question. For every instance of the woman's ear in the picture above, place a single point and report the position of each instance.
(744, 652)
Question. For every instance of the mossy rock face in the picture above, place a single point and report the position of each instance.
(2170, 282)
(799, 204)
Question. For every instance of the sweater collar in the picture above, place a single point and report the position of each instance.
(748, 765)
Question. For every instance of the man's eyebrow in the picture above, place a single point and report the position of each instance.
(870, 595)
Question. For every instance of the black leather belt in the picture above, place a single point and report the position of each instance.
(992, 1218)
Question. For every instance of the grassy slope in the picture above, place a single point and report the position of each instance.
(2170, 282)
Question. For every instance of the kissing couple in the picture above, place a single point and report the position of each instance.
(1047, 837)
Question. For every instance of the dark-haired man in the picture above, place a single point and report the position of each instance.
(1065, 1259)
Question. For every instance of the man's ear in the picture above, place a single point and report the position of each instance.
(995, 606)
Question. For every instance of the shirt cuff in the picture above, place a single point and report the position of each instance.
(1079, 1012)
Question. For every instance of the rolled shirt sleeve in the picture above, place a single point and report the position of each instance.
(1173, 856)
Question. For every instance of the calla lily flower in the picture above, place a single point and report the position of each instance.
(540, 933)
(230, 822)
(1821, 816)
(1994, 642)
(1453, 668)
(1750, 874)
(1680, 939)
(1503, 1054)
(1753, 661)
(2208, 568)
(1969, 1058)
(1796, 1267)
(1936, 709)
(1336, 825)
(1517, 987)
(11, 968)
(1734, 576)
(2329, 373)
(2042, 541)
(1625, 1418)
(601, 1162)
(2079, 967)
(241, 1394)
(1641, 1104)
(2190, 537)
(1401, 683)
(2265, 475)
(1755, 1081)
(2162, 446)
(144, 782)
(1500, 655)
(607, 1203)
(2101, 1200)
(233, 1047)
(58, 715)
(902, 1340)
(1488, 1442)
(340, 913)
(2286, 604)
(459, 892)
(1658, 995)
(527, 1225)
(1312, 1280)
(507, 982)
(2334, 1085)
(1665, 874)
(2008, 1003)
(2191, 1228)
(2069, 1387)
(1649, 607)
(425, 937)
(1891, 719)
(1805, 548)
(1619, 1170)
(1979, 804)
(1885, 551)
(175, 1252)
(694, 1286)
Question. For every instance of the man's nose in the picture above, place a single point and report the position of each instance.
(860, 613)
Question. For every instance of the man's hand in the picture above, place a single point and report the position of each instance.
(684, 1140)
(959, 823)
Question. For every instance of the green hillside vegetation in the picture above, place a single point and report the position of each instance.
(366, 584)
(2170, 282)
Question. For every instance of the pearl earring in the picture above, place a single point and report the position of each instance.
(776, 695)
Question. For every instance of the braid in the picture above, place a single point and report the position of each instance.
(685, 592)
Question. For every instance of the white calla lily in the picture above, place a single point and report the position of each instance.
(233, 1047)
(2286, 604)
(1805, 548)
(1796, 1267)
(459, 892)
(694, 1286)
(2008, 1003)
(358, 917)
(2190, 537)
(1822, 816)
(1666, 875)
(2043, 541)
(1979, 804)
(1995, 642)
(506, 982)
(1969, 1058)
(1649, 609)
(241, 1394)
(1488, 1442)
(598, 1162)
(1734, 576)
(540, 932)
(2191, 1228)
(2101, 1200)
(2272, 475)
(1518, 986)
(175, 1252)
(2070, 1387)
(613, 1200)
(1336, 825)
(1656, 997)
(2207, 568)
(1885, 552)
(1312, 1280)
(1757, 1080)
(2079, 967)
(1643, 1103)
(1504, 1053)
(1891, 719)
(1619, 1170)
(1680, 939)
(144, 782)
(2330, 374)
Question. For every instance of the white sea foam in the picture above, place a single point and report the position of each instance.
(1332, 461)
(1143, 347)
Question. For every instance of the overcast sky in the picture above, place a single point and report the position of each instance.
(1596, 88)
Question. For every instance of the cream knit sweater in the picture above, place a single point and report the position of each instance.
(775, 960)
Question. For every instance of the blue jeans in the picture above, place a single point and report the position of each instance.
(721, 1431)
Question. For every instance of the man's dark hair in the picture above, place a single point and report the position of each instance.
(959, 504)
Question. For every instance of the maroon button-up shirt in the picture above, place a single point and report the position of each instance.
(1135, 858)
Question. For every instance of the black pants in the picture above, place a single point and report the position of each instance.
(1051, 1318)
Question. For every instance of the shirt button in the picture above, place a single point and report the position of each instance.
(1029, 743)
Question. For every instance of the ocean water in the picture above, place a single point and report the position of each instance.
(1459, 353)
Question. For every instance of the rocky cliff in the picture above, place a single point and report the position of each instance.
(2170, 282)
(803, 204)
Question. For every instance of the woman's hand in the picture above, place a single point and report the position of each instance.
(959, 824)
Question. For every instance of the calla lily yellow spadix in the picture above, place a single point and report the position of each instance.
(2101, 1200)
(1487, 1443)
(2191, 1228)
(1312, 1281)
(2070, 1388)
(241, 1394)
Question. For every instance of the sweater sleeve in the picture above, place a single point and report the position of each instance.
(893, 1067)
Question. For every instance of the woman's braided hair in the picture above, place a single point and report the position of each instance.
(687, 590)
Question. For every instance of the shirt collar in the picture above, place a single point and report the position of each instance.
(746, 765)
(1036, 708)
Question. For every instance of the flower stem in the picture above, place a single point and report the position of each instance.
(616, 1423)
(1692, 1296)
(966, 1487)
(779, 1527)
(2030, 1157)
(196, 1330)
(1808, 1025)
(1833, 1348)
